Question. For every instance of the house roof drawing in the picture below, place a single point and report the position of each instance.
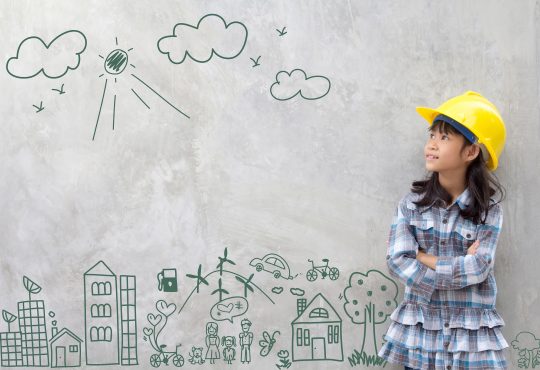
(319, 310)
(61, 333)
(100, 269)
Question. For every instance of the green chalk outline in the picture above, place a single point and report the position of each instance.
(47, 47)
(300, 90)
(187, 54)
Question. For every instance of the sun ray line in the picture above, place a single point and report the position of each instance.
(101, 74)
(114, 111)
(130, 49)
(132, 65)
(155, 92)
(101, 56)
(100, 106)
(116, 39)
(140, 98)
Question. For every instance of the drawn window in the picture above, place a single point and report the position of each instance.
(100, 310)
(319, 313)
(73, 349)
(299, 337)
(330, 334)
(306, 337)
(271, 260)
(336, 333)
(101, 288)
(100, 334)
(279, 264)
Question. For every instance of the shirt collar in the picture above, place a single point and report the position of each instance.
(463, 200)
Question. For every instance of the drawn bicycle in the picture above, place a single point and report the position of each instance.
(324, 270)
(163, 357)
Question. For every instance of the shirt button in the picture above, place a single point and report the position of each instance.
(446, 324)
(387, 257)
(446, 344)
(468, 236)
(443, 242)
(449, 367)
(445, 221)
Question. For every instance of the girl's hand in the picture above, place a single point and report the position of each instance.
(473, 248)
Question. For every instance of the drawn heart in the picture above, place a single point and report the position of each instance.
(277, 289)
(153, 319)
(148, 331)
(225, 308)
(164, 308)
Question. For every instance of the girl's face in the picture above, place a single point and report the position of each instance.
(445, 152)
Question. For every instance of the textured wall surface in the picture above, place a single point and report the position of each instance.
(205, 143)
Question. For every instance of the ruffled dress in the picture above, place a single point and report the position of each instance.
(447, 319)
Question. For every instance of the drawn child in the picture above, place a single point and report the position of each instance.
(212, 342)
(246, 338)
(442, 245)
(228, 352)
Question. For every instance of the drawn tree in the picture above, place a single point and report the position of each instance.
(369, 299)
(9, 318)
(529, 350)
(31, 287)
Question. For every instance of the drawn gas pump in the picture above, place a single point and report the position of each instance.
(167, 281)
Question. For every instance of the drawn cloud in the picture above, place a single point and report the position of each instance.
(54, 59)
(211, 36)
(297, 291)
(290, 84)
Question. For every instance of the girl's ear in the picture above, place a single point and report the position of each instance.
(473, 151)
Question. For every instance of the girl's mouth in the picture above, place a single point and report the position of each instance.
(430, 157)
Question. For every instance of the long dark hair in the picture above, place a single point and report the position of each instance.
(482, 184)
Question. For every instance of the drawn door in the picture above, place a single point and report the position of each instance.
(60, 356)
(318, 349)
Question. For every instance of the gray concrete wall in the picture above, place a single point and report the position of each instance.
(311, 177)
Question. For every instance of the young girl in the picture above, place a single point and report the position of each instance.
(442, 245)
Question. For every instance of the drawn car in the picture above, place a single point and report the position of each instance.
(273, 264)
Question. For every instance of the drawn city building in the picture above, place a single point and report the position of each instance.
(101, 316)
(65, 349)
(110, 317)
(34, 345)
(316, 331)
(11, 349)
(128, 314)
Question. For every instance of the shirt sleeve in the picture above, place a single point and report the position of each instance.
(401, 255)
(458, 272)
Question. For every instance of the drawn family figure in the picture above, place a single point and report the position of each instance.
(212, 342)
(229, 353)
(246, 338)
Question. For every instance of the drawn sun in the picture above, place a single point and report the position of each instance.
(115, 64)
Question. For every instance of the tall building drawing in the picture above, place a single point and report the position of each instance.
(34, 345)
(128, 314)
(101, 316)
(110, 317)
(11, 349)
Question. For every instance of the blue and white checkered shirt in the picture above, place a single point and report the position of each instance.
(447, 319)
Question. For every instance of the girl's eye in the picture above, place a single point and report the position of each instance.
(445, 137)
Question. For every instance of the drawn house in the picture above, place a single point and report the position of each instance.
(110, 317)
(316, 331)
(65, 349)
(101, 316)
(34, 346)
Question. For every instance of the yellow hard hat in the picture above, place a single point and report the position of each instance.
(472, 113)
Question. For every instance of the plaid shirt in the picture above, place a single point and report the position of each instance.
(447, 319)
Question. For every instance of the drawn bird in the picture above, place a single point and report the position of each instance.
(199, 278)
(40, 108)
(222, 261)
(61, 90)
(282, 32)
(256, 61)
(246, 284)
